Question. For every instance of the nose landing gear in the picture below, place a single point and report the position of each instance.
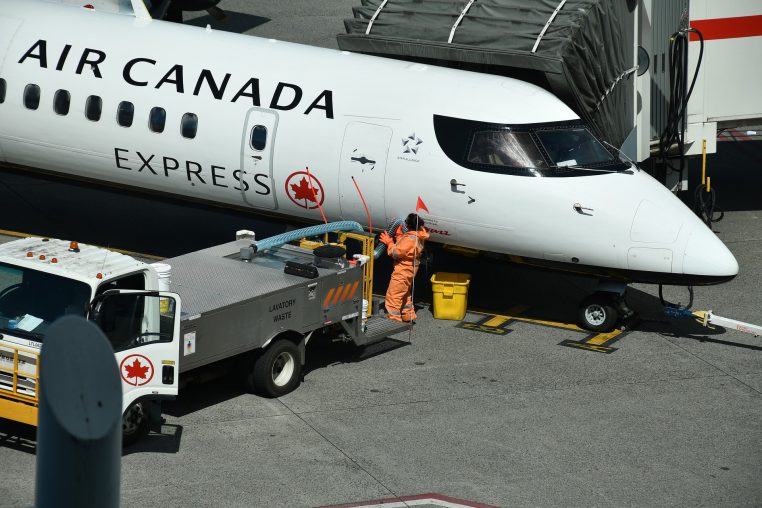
(602, 311)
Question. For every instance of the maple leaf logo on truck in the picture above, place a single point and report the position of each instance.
(136, 370)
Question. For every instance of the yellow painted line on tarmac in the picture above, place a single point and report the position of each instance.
(554, 324)
(495, 321)
(594, 342)
(16, 233)
(603, 338)
(514, 313)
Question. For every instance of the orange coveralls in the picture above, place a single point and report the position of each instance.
(406, 252)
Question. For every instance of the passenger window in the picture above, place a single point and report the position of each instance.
(157, 119)
(259, 137)
(189, 125)
(61, 102)
(505, 148)
(93, 108)
(32, 96)
(2, 90)
(125, 113)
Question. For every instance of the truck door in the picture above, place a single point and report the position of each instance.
(363, 156)
(143, 327)
(257, 184)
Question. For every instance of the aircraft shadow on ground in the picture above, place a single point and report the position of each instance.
(18, 436)
(237, 22)
(497, 287)
(167, 440)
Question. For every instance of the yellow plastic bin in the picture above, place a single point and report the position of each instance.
(450, 295)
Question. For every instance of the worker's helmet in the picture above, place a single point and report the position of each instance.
(414, 222)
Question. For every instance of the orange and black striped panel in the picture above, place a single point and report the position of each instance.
(340, 294)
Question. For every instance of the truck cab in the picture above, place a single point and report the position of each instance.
(44, 279)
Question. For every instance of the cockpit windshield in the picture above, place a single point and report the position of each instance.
(573, 147)
(30, 300)
(505, 148)
(550, 149)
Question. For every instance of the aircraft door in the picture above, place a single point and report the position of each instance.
(8, 27)
(257, 184)
(363, 156)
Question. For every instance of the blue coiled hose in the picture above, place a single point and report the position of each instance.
(380, 248)
(298, 234)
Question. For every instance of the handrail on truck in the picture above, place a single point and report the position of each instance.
(15, 405)
(367, 269)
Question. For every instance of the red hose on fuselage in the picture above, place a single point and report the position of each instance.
(370, 222)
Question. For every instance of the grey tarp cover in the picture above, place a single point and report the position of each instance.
(586, 56)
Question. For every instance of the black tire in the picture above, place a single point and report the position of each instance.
(134, 423)
(277, 371)
(597, 313)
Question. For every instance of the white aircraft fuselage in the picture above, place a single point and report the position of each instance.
(266, 110)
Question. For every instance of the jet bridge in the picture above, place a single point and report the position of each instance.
(583, 51)
(609, 60)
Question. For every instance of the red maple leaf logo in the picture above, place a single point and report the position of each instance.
(303, 190)
(136, 370)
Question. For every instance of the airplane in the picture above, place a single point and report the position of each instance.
(491, 163)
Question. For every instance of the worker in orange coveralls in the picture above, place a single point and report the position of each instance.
(405, 249)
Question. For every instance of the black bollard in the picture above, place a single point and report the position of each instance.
(79, 435)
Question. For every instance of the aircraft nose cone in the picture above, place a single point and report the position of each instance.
(705, 254)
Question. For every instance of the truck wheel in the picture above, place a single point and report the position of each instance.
(597, 313)
(134, 424)
(277, 371)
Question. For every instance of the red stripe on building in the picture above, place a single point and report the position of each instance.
(727, 28)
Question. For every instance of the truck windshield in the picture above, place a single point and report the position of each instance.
(573, 147)
(31, 300)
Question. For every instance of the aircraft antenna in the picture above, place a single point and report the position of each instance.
(312, 190)
(370, 222)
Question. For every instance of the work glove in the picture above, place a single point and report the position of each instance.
(385, 238)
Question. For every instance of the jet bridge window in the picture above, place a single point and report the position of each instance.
(505, 148)
(93, 108)
(259, 137)
(157, 119)
(61, 102)
(2, 90)
(32, 96)
(189, 125)
(125, 113)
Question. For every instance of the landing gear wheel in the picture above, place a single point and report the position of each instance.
(134, 423)
(597, 313)
(277, 372)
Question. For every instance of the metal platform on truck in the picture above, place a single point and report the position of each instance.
(215, 278)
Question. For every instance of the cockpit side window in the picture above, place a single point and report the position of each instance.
(505, 148)
(573, 147)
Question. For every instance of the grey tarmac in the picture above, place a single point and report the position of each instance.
(672, 417)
